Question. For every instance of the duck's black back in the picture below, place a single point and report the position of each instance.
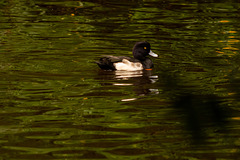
(107, 62)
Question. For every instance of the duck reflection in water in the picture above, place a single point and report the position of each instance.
(141, 80)
(149, 78)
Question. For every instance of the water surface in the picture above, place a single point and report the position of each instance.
(57, 104)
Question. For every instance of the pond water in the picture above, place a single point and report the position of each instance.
(57, 104)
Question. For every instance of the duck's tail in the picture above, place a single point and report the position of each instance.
(105, 64)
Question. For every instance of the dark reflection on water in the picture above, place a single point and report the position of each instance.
(56, 104)
(200, 112)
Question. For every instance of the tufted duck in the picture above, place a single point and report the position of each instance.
(139, 62)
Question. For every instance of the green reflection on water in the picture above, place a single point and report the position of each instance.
(55, 103)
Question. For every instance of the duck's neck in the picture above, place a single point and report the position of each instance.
(140, 58)
(147, 63)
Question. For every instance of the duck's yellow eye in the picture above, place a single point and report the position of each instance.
(145, 47)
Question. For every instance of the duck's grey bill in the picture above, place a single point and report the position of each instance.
(153, 54)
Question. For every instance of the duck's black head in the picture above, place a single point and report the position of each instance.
(141, 50)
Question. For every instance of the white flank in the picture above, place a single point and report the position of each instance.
(126, 65)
